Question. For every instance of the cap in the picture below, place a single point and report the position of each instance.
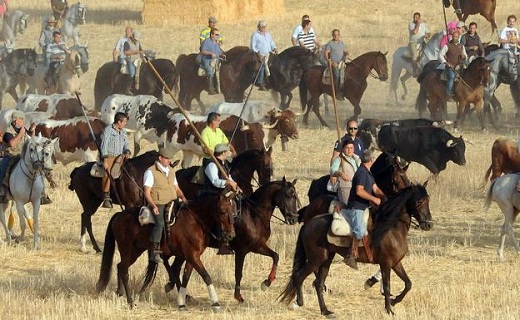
(51, 19)
(166, 153)
(212, 20)
(17, 115)
(460, 24)
(221, 147)
(137, 35)
(262, 23)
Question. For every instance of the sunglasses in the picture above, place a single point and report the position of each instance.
(352, 128)
(217, 34)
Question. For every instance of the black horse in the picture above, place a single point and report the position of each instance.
(238, 72)
(16, 65)
(128, 186)
(286, 71)
(389, 246)
(109, 80)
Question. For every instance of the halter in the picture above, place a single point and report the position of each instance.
(78, 15)
(418, 205)
(32, 173)
(371, 73)
(74, 65)
(22, 24)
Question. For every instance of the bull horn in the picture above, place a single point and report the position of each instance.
(450, 143)
(466, 140)
(244, 128)
(270, 126)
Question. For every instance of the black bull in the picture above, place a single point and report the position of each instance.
(110, 81)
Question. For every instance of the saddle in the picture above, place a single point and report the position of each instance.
(137, 63)
(170, 214)
(326, 78)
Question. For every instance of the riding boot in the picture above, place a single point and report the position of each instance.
(3, 194)
(216, 85)
(45, 198)
(107, 202)
(337, 89)
(211, 86)
(351, 261)
(154, 254)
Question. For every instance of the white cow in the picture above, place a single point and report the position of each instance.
(56, 106)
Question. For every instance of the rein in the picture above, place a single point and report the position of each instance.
(30, 174)
(370, 73)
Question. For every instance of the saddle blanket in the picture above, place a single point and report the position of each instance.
(340, 225)
(325, 79)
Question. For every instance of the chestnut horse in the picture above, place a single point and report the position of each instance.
(485, 8)
(253, 230)
(188, 237)
(388, 235)
(90, 195)
(238, 72)
(356, 73)
(468, 89)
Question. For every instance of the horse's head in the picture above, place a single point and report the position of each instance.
(480, 68)
(37, 153)
(287, 201)
(419, 206)
(265, 167)
(76, 13)
(21, 24)
(31, 61)
(226, 208)
(83, 53)
(305, 57)
(399, 178)
(381, 66)
(73, 62)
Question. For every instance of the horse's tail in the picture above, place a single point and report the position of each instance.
(489, 196)
(486, 178)
(71, 186)
(303, 95)
(149, 275)
(299, 261)
(108, 257)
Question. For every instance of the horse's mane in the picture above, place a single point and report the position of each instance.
(258, 192)
(389, 213)
(146, 155)
(248, 156)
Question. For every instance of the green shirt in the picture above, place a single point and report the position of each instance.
(212, 138)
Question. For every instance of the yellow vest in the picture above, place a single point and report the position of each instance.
(163, 190)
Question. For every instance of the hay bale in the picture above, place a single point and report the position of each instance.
(188, 12)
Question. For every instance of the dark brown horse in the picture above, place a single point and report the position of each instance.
(391, 224)
(242, 170)
(356, 73)
(286, 71)
(90, 195)
(485, 8)
(238, 72)
(188, 237)
(253, 229)
(109, 80)
(190, 84)
(468, 89)
(389, 174)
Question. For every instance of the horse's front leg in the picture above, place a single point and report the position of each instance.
(319, 285)
(511, 232)
(403, 80)
(385, 271)
(315, 102)
(174, 270)
(401, 273)
(197, 264)
(266, 251)
(181, 295)
(239, 266)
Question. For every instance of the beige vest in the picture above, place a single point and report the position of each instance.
(163, 190)
(17, 149)
(349, 167)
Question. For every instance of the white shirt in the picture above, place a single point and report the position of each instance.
(418, 37)
(506, 34)
(120, 44)
(211, 172)
(148, 175)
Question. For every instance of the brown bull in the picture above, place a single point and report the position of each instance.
(504, 159)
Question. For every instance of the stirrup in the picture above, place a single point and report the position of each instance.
(107, 203)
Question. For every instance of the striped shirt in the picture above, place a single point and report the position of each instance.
(113, 142)
(308, 39)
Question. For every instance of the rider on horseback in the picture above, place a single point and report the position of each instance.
(262, 43)
(59, 8)
(13, 141)
(46, 36)
(451, 56)
(336, 51)
(213, 180)
(132, 50)
(419, 33)
(210, 51)
(160, 190)
(54, 56)
(118, 54)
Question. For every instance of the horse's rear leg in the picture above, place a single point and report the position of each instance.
(316, 108)
(385, 271)
(401, 273)
(173, 274)
(86, 226)
(122, 283)
(239, 266)
(403, 80)
(298, 278)
(319, 284)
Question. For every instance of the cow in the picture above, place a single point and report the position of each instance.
(56, 106)
(75, 139)
(431, 146)
(505, 159)
(369, 128)
(154, 121)
(276, 122)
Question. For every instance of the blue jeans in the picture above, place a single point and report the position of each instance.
(357, 222)
(450, 75)
(261, 75)
(131, 68)
(206, 65)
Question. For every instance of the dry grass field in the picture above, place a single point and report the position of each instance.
(453, 267)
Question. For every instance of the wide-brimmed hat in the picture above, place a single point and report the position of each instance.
(262, 23)
(51, 19)
(221, 147)
(212, 20)
(17, 115)
(166, 153)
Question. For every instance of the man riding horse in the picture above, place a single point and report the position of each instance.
(419, 33)
(54, 57)
(211, 52)
(132, 50)
(452, 56)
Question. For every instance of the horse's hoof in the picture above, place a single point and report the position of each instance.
(216, 307)
(265, 285)
(239, 297)
(294, 306)
(169, 287)
(83, 250)
(329, 314)
(183, 308)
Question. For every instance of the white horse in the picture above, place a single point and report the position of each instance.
(74, 17)
(67, 76)
(26, 184)
(503, 192)
(15, 23)
(430, 52)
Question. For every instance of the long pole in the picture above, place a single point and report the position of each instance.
(185, 114)
(334, 98)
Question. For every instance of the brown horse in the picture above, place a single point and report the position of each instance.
(485, 8)
(190, 83)
(391, 224)
(238, 72)
(468, 89)
(188, 237)
(242, 171)
(356, 73)
(90, 195)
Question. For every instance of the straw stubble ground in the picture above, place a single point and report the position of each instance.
(453, 267)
